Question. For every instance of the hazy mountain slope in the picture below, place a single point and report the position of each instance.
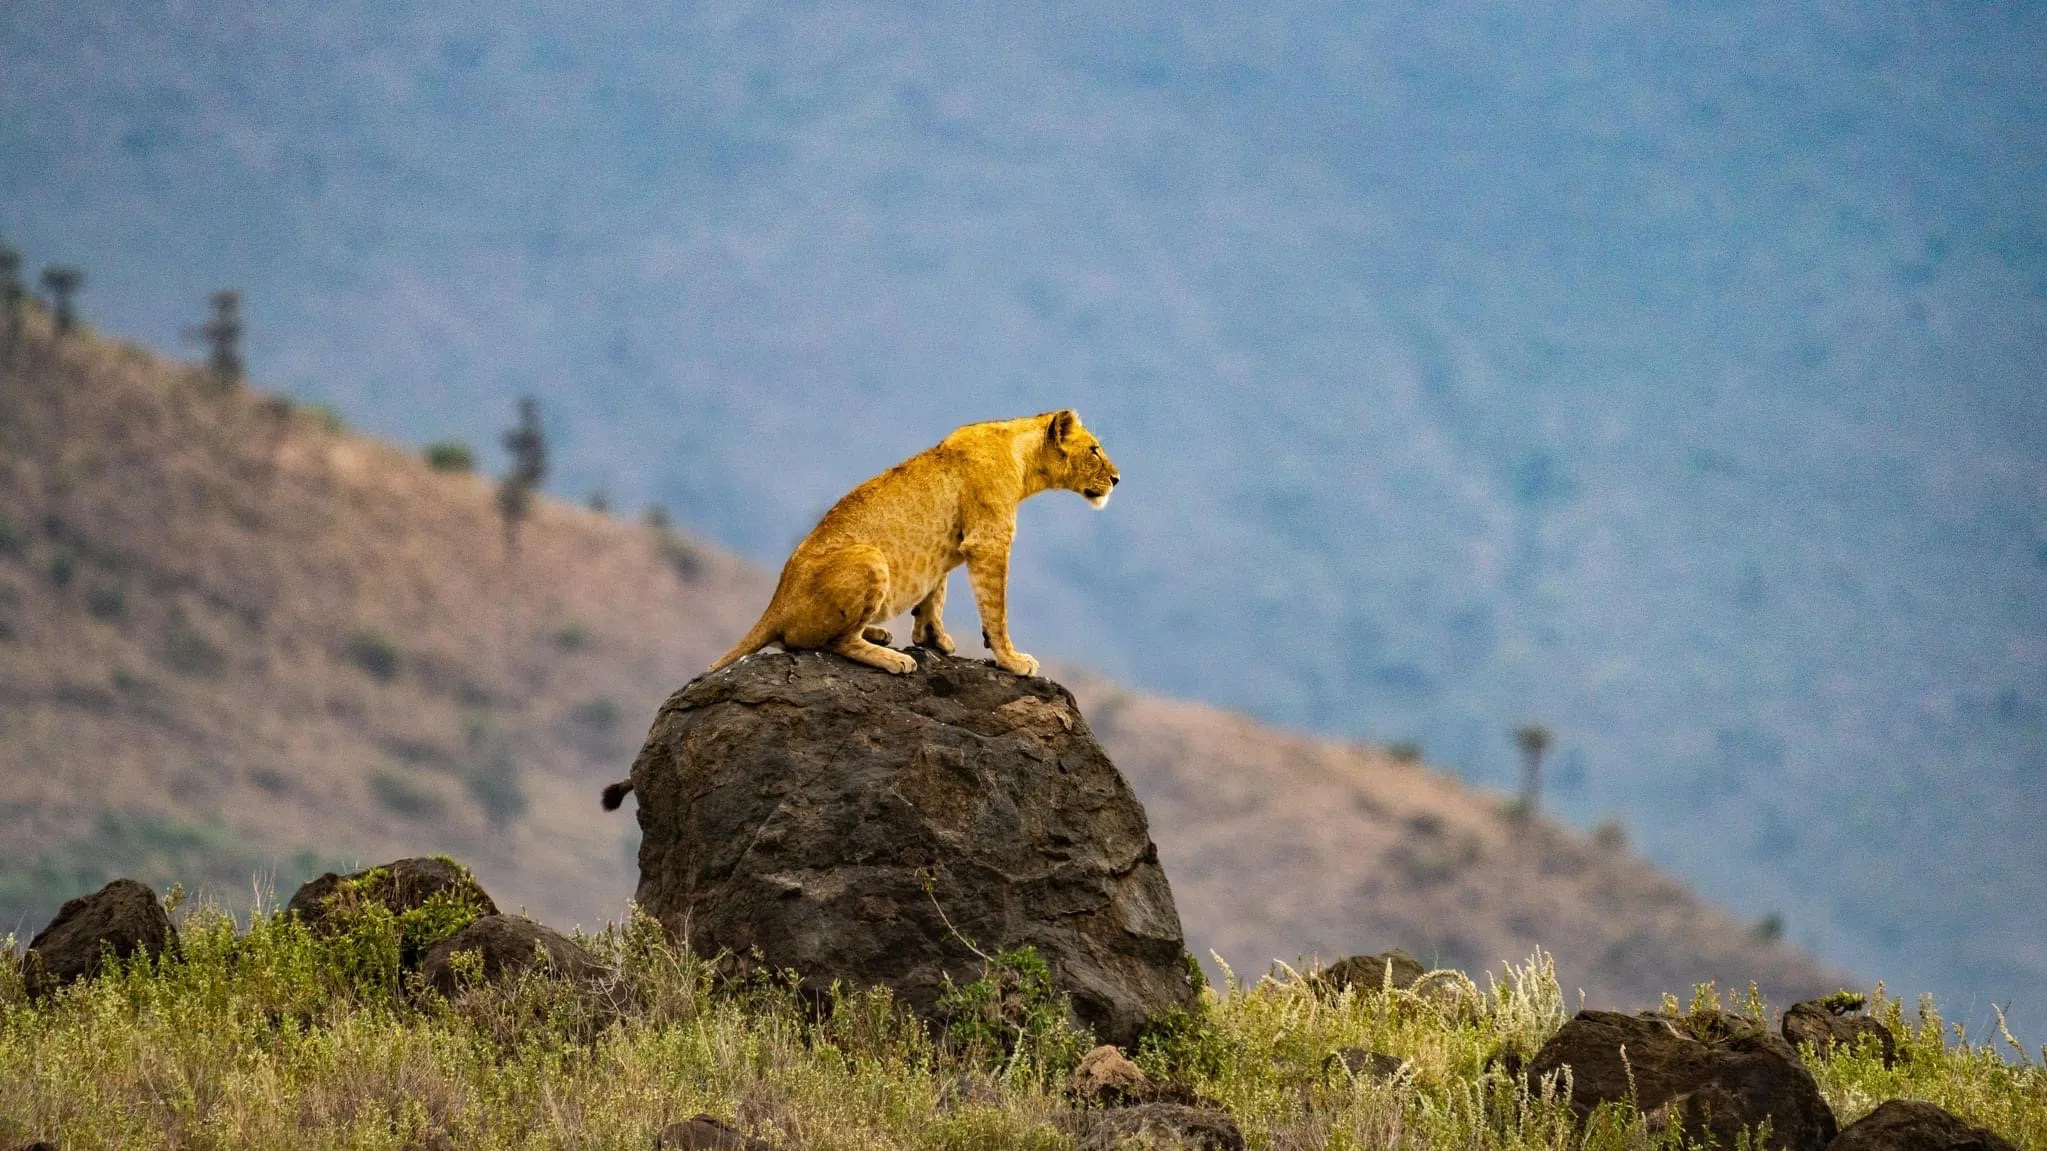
(234, 640)
(1667, 373)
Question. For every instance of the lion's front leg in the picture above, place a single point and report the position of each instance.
(988, 571)
(928, 623)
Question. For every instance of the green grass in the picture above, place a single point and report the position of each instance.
(268, 1036)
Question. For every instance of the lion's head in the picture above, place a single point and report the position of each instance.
(1074, 459)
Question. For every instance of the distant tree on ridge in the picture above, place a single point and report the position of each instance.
(1534, 740)
(223, 337)
(528, 447)
(63, 281)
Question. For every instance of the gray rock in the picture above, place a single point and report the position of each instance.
(1161, 1126)
(122, 919)
(401, 885)
(795, 806)
(1910, 1125)
(705, 1133)
(509, 946)
(1371, 972)
(1826, 1023)
(1716, 1073)
(1361, 1063)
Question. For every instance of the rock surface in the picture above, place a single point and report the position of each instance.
(1825, 1023)
(1372, 972)
(1361, 1063)
(401, 885)
(1910, 1125)
(123, 917)
(1710, 1070)
(706, 1133)
(509, 946)
(1162, 1126)
(812, 813)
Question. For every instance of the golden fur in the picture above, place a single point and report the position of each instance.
(889, 544)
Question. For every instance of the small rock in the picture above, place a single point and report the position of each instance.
(1162, 1126)
(1910, 1125)
(401, 886)
(38, 1145)
(705, 1133)
(510, 945)
(1369, 973)
(123, 916)
(1711, 1069)
(1827, 1023)
(1106, 1077)
(1360, 1063)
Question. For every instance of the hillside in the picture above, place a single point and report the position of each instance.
(235, 638)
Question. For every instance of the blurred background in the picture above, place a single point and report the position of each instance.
(1671, 374)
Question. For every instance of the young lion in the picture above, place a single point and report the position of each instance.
(890, 543)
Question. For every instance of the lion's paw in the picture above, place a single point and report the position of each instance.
(1018, 664)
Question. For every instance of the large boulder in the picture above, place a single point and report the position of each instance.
(506, 947)
(1837, 1021)
(1912, 1125)
(806, 812)
(401, 885)
(1394, 969)
(1707, 1070)
(120, 919)
(1159, 1126)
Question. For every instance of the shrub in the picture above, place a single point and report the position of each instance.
(450, 456)
(405, 797)
(374, 654)
(62, 567)
(495, 786)
(599, 714)
(328, 417)
(188, 653)
(12, 543)
(106, 601)
(1405, 751)
(572, 637)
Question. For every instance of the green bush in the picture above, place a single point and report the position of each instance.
(12, 543)
(106, 601)
(450, 456)
(374, 654)
(188, 653)
(407, 798)
(599, 714)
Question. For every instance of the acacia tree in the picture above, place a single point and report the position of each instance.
(223, 337)
(12, 294)
(1534, 740)
(528, 447)
(63, 281)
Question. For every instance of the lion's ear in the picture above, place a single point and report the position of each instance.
(1061, 428)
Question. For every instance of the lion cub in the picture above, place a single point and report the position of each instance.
(889, 544)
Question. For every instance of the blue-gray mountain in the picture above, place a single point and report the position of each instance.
(1669, 373)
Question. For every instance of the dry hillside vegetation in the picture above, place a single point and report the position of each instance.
(237, 641)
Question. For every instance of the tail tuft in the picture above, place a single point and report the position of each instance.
(616, 793)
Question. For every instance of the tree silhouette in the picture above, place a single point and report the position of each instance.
(62, 281)
(12, 294)
(223, 336)
(1534, 740)
(528, 447)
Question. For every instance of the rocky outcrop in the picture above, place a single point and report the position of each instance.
(1911, 1125)
(1163, 1126)
(121, 919)
(806, 812)
(401, 885)
(1711, 1071)
(1836, 1021)
(1394, 969)
(506, 947)
(707, 1133)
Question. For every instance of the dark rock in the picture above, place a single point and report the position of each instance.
(1161, 1126)
(807, 812)
(705, 1133)
(401, 886)
(38, 1145)
(1713, 1071)
(1360, 1063)
(1827, 1023)
(122, 918)
(1370, 972)
(510, 946)
(1910, 1125)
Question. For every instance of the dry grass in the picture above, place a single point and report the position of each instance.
(271, 1037)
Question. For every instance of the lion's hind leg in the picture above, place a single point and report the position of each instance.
(840, 596)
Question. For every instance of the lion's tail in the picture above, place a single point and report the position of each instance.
(763, 634)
